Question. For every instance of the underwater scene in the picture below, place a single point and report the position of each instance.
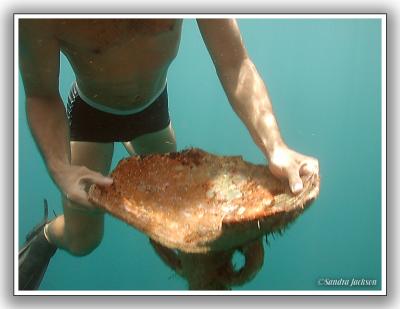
(324, 79)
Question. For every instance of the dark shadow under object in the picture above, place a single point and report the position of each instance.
(213, 270)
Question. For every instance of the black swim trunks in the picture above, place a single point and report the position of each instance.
(89, 124)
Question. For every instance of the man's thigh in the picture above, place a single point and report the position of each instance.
(97, 157)
(156, 142)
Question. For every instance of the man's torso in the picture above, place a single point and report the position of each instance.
(119, 63)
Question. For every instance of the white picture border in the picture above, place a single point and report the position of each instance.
(382, 17)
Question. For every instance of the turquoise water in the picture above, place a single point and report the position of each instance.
(324, 79)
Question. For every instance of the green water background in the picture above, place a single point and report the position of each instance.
(324, 77)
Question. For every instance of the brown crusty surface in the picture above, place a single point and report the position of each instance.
(196, 202)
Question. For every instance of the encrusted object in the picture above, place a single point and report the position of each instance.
(198, 202)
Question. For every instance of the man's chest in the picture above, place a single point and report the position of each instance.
(99, 36)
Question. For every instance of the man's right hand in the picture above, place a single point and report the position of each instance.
(74, 182)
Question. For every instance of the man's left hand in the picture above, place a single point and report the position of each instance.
(286, 163)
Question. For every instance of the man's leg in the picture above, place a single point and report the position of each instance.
(156, 142)
(80, 232)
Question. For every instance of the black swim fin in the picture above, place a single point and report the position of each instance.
(35, 255)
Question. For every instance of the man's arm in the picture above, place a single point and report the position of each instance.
(39, 56)
(249, 98)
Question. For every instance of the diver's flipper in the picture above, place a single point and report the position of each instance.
(34, 256)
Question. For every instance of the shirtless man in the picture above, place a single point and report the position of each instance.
(120, 95)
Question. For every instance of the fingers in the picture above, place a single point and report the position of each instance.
(295, 182)
(97, 178)
(79, 201)
(309, 167)
(79, 197)
(102, 180)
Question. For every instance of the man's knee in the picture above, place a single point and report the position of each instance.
(83, 231)
(81, 246)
